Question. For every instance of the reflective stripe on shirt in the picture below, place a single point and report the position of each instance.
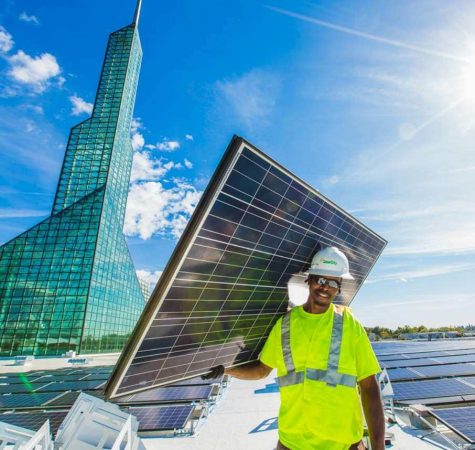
(331, 376)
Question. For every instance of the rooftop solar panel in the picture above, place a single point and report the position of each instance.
(428, 361)
(432, 354)
(461, 420)
(226, 282)
(71, 385)
(409, 362)
(67, 399)
(402, 374)
(162, 418)
(447, 370)
(34, 421)
(382, 348)
(19, 388)
(445, 387)
(168, 394)
(15, 401)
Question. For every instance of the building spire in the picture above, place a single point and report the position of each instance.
(137, 12)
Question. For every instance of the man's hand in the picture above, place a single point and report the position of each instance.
(214, 372)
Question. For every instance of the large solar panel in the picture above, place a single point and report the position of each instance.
(161, 418)
(226, 283)
(461, 420)
(445, 387)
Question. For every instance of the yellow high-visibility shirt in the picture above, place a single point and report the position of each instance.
(313, 412)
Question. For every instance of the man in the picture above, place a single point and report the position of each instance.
(321, 353)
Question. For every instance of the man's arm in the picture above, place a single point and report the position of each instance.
(254, 370)
(373, 411)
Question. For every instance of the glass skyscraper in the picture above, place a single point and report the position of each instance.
(69, 283)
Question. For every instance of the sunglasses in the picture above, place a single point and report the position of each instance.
(322, 281)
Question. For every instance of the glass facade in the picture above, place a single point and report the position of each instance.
(69, 283)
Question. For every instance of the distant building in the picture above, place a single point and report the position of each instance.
(69, 283)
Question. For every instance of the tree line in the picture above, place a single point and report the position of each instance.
(387, 333)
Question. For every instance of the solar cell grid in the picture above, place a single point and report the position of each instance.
(34, 421)
(446, 387)
(226, 284)
(461, 420)
(162, 418)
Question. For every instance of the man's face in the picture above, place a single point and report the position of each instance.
(322, 294)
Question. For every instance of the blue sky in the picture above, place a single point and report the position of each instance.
(371, 102)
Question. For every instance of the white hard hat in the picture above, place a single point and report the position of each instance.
(331, 262)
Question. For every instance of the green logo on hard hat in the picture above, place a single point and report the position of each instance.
(329, 261)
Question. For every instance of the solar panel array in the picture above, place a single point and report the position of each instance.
(461, 420)
(226, 283)
(444, 370)
(171, 405)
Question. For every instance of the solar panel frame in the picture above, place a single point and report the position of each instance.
(338, 223)
(452, 418)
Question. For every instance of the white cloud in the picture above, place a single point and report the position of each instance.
(154, 209)
(421, 272)
(10, 213)
(168, 146)
(28, 18)
(34, 72)
(147, 168)
(189, 137)
(188, 164)
(149, 277)
(138, 141)
(252, 96)
(6, 40)
(80, 106)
